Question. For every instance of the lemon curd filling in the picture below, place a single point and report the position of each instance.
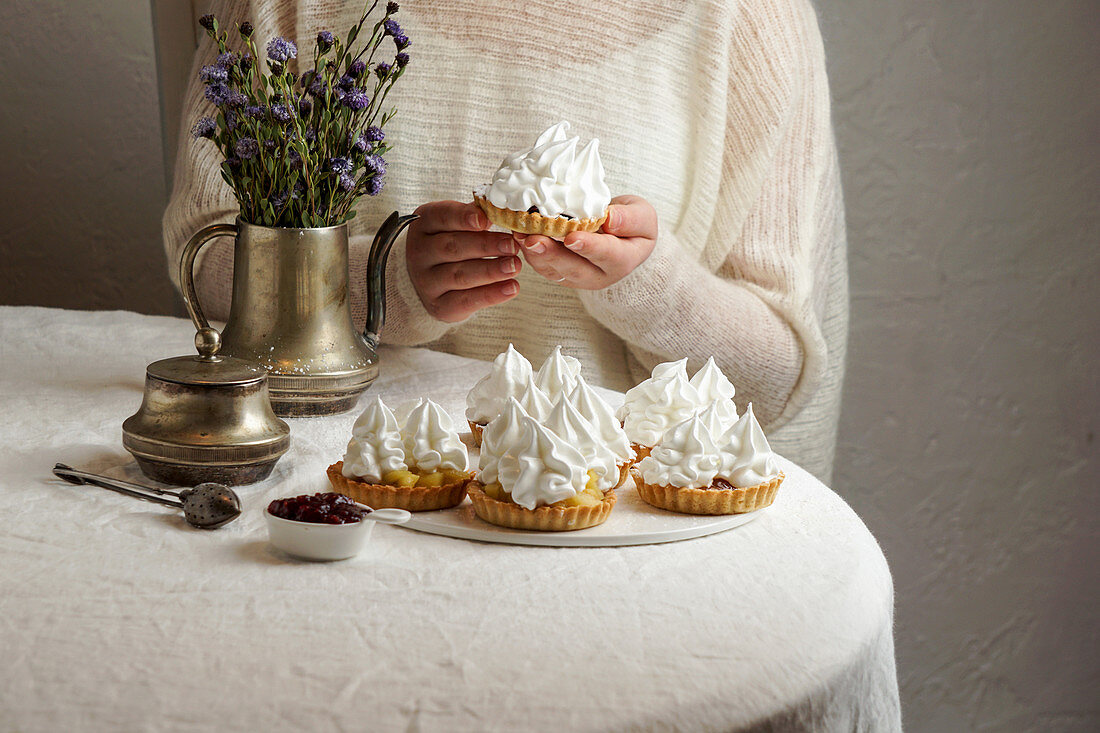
(407, 479)
(590, 496)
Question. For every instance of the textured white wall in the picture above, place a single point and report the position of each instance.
(81, 169)
(969, 141)
(969, 144)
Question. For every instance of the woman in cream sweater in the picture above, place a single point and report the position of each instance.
(714, 125)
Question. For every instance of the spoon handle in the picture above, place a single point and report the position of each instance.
(123, 487)
(388, 516)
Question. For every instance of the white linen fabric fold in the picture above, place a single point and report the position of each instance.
(115, 615)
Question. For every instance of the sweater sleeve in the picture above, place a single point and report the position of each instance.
(753, 298)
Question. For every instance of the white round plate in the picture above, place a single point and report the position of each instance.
(632, 522)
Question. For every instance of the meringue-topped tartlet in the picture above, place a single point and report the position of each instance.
(694, 471)
(419, 467)
(554, 188)
(531, 478)
(508, 377)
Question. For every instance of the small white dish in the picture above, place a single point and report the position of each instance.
(327, 542)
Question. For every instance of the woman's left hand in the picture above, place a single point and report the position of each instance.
(595, 260)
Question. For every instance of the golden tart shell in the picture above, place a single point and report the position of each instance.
(532, 222)
(541, 519)
(708, 501)
(413, 498)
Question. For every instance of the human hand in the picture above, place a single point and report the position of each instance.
(456, 266)
(595, 260)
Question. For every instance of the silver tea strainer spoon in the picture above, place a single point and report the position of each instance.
(206, 506)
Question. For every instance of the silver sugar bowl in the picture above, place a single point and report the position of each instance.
(206, 418)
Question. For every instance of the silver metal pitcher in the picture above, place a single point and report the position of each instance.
(291, 312)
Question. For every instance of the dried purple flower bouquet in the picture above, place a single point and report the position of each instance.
(300, 150)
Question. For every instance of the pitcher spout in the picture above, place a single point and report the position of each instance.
(376, 273)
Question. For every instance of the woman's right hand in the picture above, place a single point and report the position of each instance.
(456, 266)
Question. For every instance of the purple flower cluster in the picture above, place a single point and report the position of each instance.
(205, 127)
(402, 60)
(374, 186)
(214, 73)
(375, 164)
(280, 113)
(362, 142)
(381, 70)
(346, 182)
(223, 96)
(391, 28)
(356, 99)
(356, 68)
(392, 8)
(325, 41)
(280, 50)
(340, 164)
(246, 148)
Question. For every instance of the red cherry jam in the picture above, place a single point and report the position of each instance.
(329, 508)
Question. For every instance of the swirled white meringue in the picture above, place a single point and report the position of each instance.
(558, 374)
(643, 392)
(659, 403)
(668, 369)
(375, 447)
(747, 459)
(569, 425)
(431, 441)
(554, 177)
(499, 435)
(596, 410)
(506, 378)
(687, 457)
(534, 401)
(715, 388)
(540, 468)
(716, 417)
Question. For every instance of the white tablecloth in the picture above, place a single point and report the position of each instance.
(115, 615)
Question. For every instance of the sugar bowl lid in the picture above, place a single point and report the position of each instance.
(206, 417)
(207, 368)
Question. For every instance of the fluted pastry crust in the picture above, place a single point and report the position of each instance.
(528, 222)
(413, 499)
(708, 501)
(543, 518)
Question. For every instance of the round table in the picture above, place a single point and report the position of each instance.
(114, 614)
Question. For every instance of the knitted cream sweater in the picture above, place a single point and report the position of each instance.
(716, 111)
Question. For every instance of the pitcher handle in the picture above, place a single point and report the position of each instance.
(376, 273)
(207, 339)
